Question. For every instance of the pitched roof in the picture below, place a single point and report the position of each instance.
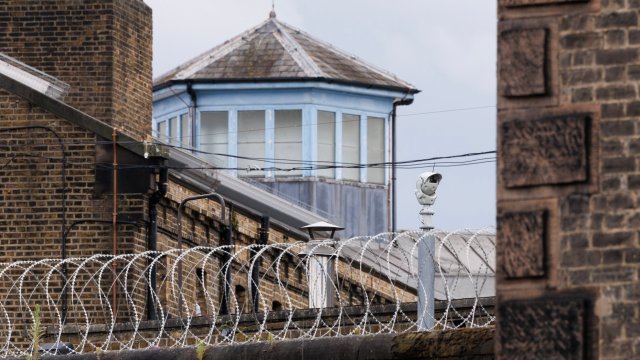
(275, 51)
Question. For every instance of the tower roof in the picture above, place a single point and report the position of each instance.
(275, 51)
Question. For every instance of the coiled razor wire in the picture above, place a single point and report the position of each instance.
(230, 294)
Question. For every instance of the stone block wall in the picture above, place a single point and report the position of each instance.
(568, 179)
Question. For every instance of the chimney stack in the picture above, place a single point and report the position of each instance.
(101, 48)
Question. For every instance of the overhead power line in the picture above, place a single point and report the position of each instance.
(450, 110)
(307, 164)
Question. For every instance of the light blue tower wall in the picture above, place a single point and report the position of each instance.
(342, 201)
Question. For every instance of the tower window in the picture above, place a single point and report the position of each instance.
(214, 128)
(375, 149)
(326, 142)
(288, 140)
(350, 146)
(251, 141)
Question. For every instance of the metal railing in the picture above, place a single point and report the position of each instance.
(373, 283)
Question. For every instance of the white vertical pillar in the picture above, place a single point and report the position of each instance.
(321, 287)
(426, 185)
(387, 150)
(309, 138)
(363, 147)
(232, 140)
(269, 141)
(426, 274)
(338, 143)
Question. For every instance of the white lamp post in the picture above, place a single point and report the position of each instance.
(426, 185)
(321, 265)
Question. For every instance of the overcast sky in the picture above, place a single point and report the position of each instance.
(447, 49)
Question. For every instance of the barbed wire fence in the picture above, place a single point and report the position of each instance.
(231, 294)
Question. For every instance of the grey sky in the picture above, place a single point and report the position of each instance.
(445, 48)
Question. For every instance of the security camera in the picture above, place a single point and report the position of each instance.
(427, 185)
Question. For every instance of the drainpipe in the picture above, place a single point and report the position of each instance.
(227, 240)
(192, 114)
(114, 137)
(223, 219)
(396, 103)
(255, 271)
(152, 245)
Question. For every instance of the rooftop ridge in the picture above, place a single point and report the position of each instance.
(206, 58)
(296, 51)
(329, 46)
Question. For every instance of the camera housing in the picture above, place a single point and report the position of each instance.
(426, 186)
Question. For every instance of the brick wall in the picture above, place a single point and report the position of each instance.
(102, 49)
(202, 227)
(96, 47)
(568, 179)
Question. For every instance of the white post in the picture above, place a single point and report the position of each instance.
(426, 195)
(426, 274)
(320, 275)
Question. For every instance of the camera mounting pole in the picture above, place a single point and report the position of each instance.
(426, 185)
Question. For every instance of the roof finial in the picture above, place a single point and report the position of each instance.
(272, 14)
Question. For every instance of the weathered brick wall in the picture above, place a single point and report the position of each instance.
(132, 67)
(101, 48)
(31, 220)
(95, 46)
(201, 226)
(568, 174)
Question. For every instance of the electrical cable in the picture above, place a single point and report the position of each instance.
(450, 110)
(307, 165)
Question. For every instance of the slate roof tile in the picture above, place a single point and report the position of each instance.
(274, 50)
